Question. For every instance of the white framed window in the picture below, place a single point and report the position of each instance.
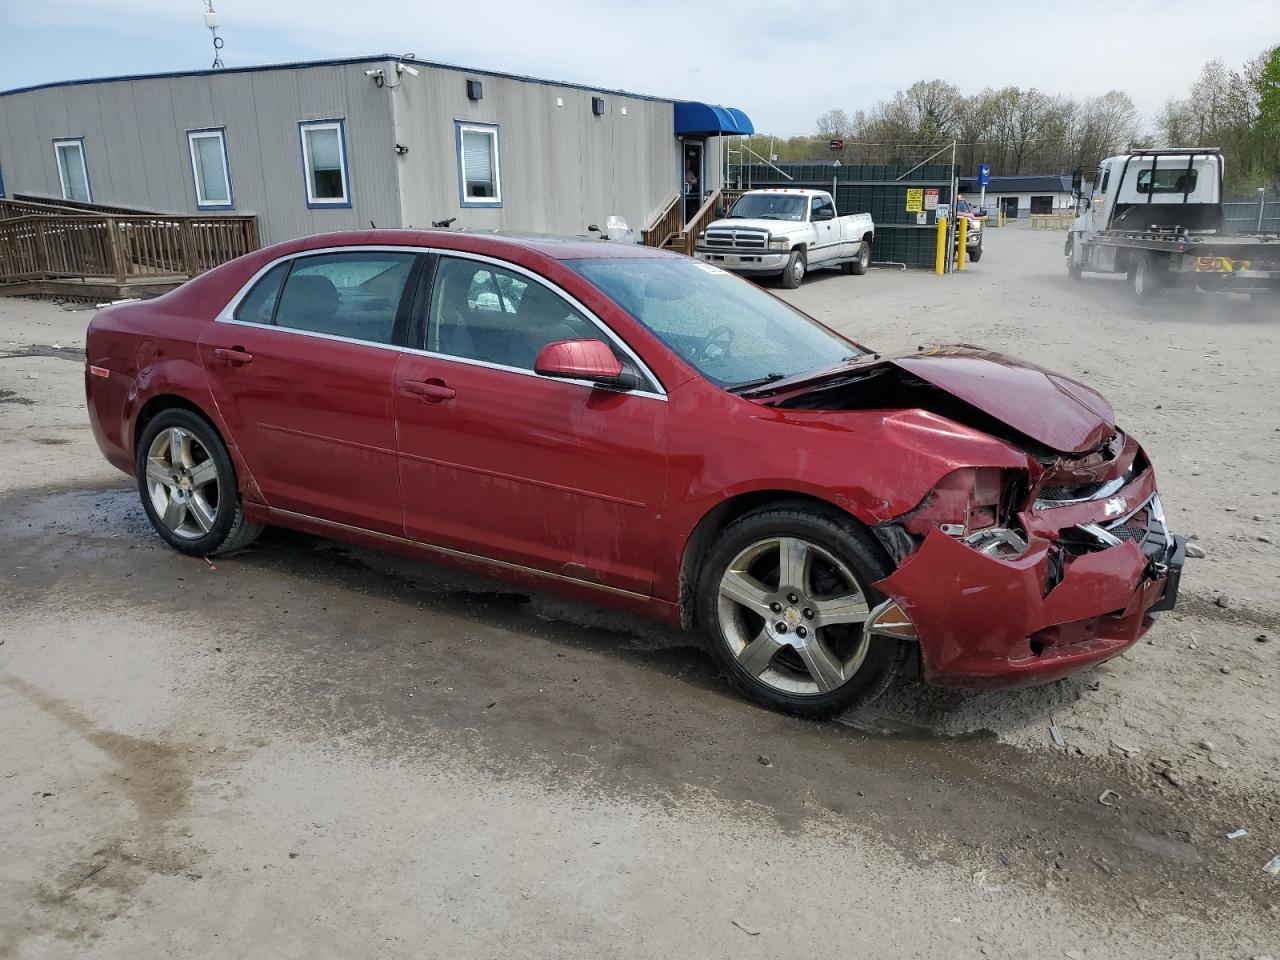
(324, 163)
(479, 164)
(73, 172)
(210, 170)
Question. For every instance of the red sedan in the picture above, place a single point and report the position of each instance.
(637, 428)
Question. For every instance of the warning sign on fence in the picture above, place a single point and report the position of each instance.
(915, 200)
(931, 198)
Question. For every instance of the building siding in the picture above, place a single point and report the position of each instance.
(135, 142)
(562, 168)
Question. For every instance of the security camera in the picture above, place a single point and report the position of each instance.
(373, 73)
(405, 68)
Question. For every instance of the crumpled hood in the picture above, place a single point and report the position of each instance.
(1055, 410)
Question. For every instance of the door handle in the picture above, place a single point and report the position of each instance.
(432, 391)
(233, 354)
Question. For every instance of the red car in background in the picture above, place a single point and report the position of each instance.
(636, 428)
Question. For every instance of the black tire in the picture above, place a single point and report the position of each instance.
(859, 266)
(1145, 277)
(791, 276)
(844, 540)
(976, 253)
(229, 529)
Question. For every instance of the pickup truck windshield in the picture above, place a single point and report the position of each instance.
(770, 206)
(727, 328)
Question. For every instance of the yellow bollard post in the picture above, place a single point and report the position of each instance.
(940, 259)
(962, 228)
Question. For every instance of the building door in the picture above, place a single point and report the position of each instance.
(1041, 205)
(1009, 207)
(693, 177)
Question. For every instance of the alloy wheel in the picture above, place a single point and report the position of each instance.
(797, 269)
(183, 483)
(791, 615)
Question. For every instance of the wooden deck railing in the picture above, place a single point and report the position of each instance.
(666, 230)
(80, 206)
(48, 246)
(666, 226)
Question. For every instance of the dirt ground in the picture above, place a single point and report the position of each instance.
(309, 750)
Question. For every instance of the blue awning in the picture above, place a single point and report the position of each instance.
(708, 120)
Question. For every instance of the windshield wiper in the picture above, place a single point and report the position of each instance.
(755, 385)
(758, 382)
(736, 216)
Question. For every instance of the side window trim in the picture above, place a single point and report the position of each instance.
(653, 386)
(227, 314)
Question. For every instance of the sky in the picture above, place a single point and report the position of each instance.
(783, 63)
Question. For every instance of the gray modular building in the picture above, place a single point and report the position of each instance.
(337, 144)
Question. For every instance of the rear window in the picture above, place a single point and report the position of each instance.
(1172, 180)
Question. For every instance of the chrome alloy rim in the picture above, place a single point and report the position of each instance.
(182, 482)
(792, 615)
(797, 269)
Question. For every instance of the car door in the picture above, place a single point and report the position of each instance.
(302, 368)
(826, 242)
(500, 462)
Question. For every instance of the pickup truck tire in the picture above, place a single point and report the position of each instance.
(1145, 278)
(860, 265)
(976, 254)
(795, 269)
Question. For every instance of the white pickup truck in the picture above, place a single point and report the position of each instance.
(787, 232)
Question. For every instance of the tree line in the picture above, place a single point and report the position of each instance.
(1028, 131)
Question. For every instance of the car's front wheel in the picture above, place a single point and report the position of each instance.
(188, 486)
(783, 598)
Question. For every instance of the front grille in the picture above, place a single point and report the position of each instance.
(1145, 529)
(726, 239)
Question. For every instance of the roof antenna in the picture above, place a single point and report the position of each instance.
(211, 21)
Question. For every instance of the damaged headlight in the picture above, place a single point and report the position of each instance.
(975, 505)
(998, 542)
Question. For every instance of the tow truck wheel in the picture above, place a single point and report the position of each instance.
(1144, 278)
(794, 272)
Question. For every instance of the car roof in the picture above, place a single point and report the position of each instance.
(493, 243)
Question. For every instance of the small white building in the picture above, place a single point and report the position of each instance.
(1022, 196)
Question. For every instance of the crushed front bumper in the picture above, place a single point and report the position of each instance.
(985, 621)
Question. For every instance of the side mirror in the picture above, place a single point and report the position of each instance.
(1077, 180)
(824, 213)
(590, 360)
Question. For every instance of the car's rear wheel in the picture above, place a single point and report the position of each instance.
(188, 486)
(794, 273)
(783, 597)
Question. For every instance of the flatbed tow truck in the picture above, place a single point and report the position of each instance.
(1156, 216)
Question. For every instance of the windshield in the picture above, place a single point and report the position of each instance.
(769, 206)
(727, 328)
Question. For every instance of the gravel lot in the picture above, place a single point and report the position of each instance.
(309, 750)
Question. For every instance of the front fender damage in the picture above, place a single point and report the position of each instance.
(985, 621)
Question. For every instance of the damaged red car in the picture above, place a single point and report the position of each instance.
(639, 429)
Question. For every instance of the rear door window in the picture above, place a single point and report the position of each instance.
(357, 295)
(259, 304)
